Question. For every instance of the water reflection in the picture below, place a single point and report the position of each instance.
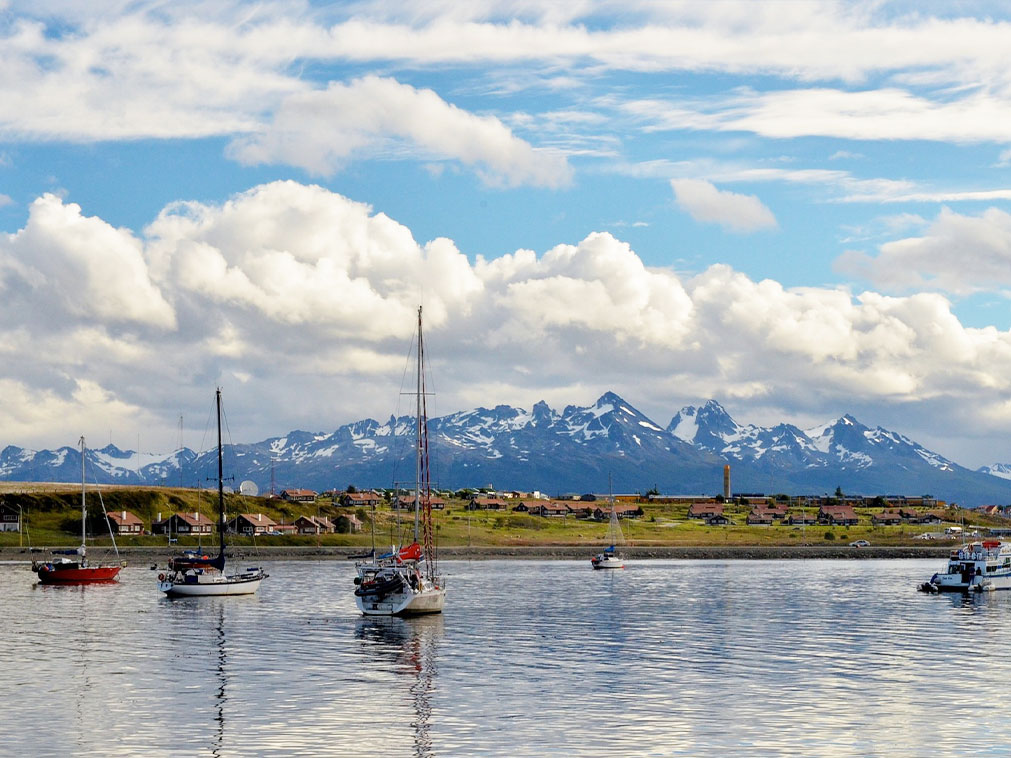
(219, 737)
(410, 647)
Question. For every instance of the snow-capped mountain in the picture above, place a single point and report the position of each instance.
(575, 450)
(1001, 470)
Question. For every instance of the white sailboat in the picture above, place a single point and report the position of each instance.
(196, 575)
(406, 582)
(609, 558)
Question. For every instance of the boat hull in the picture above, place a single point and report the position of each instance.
(212, 588)
(406, 603)
(85, 575)
(607, 561)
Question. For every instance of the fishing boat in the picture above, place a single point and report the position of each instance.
(194, 574)
(405, 581)
(976, 567)
(608, 558)
(63, 569)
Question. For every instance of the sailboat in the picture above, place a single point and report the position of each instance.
(194, 574)
(78, 570)
(608, 558)
(406, 581)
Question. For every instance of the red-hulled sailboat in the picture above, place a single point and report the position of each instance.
(77, 569)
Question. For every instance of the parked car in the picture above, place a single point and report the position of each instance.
(860, 543)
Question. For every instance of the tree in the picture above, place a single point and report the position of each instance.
(839, 492)
(352, 489)
(342, 525)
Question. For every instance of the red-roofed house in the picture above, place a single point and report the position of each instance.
(10, 518)
(184, 523)
(251, 523)
(124, 522)
(837, 515)
(313, 525)
(705, 510)
(487, 504)
(299, 496)
(360, 500)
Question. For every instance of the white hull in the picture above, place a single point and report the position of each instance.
(978, 567)
(406, 603)
(212, 587)
(610, 563)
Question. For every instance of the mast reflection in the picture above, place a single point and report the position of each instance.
(220, 696)
(411, 646)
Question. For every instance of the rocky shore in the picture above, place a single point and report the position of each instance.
(548, 552)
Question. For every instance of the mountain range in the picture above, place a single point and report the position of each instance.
(577, 450)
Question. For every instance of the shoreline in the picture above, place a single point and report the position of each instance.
(538, 552)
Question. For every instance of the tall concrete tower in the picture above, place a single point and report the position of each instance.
(726, 482)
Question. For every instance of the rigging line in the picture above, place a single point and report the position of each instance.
(98, 489)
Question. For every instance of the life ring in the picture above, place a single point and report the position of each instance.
(161, 577)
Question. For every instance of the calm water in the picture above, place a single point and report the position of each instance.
(666, 658)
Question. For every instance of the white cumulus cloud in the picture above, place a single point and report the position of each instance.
(301, 303)
(958, 253)
(704, 202)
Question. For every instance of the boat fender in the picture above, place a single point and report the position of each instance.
(161, 577)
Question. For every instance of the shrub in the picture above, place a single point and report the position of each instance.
(829, 536)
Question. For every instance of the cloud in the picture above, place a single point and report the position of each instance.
(886, 113)
(63, 263)
(319, 131)
(705, 203)
(957, 254)
(301, 303)
(127, 71)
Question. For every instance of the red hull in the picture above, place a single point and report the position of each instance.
(78, 575)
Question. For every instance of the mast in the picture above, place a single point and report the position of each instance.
(84, 507)
(418, 423)
(221, 481)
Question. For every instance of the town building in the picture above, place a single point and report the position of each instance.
(125, 523)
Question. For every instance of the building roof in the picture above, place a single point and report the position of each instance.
(193, 519)
(124, 518)
(258, 519)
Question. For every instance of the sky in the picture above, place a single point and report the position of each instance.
(799, 209)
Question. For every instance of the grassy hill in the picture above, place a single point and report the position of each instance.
(53, 519)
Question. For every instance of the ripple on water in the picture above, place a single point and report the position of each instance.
(666, 658)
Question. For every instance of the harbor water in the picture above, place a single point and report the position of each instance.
(531, 658)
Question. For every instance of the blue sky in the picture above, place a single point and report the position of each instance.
(800, 209)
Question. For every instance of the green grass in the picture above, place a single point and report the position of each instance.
(54, 520)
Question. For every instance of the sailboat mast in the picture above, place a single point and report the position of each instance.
(418, 441)
(221, 478)
(84, 507)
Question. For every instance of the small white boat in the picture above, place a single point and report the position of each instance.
(977, 567)
(607, 559)
(195, 575)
